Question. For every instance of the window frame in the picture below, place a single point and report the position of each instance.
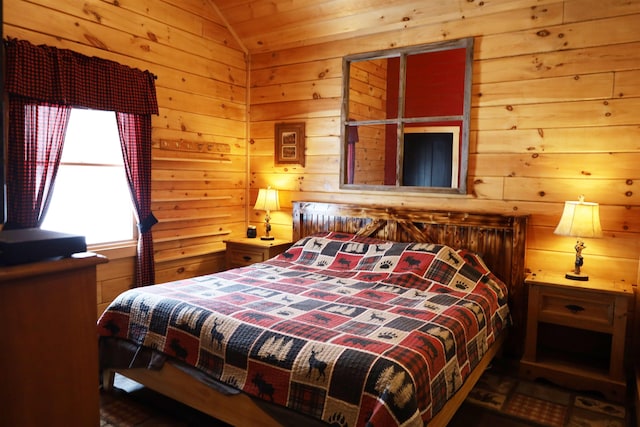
(402, 119)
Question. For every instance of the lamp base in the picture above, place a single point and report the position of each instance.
(577, 276)
(267, 238)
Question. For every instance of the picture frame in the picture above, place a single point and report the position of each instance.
(289, 143)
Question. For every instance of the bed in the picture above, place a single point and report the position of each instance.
(374, 316)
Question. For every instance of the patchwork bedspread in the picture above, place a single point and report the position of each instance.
(354, 331)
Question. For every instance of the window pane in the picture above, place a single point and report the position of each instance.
(442, 163)
(93, 202)
(91, 195)
(369, 87)
(92, 137)
(393, 87)
(435, 84)
(369, 153)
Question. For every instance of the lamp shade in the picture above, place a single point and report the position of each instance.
(580, 219)
(267, 200)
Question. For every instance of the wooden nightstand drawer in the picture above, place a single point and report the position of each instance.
(245, 256)
(242, 252)
(585, 310)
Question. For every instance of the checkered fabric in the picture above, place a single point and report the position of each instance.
(64, 77)
(337, 327)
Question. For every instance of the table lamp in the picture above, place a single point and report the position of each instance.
(267, 201)
(579, 219)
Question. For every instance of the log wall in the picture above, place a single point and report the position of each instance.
(556, 95)
(556, 91)
(200, 136)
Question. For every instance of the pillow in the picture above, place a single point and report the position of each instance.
(461, 270)
(338, 251)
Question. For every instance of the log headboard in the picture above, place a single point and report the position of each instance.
(500, 239)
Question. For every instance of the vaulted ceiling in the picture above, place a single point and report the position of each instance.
(267, 25)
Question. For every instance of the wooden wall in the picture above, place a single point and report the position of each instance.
(200, 136)
(556, 95)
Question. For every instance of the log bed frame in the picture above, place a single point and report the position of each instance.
(500, 239)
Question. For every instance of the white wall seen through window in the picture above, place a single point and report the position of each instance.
(91, 196)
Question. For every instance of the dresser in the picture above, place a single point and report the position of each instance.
(49, 358)
(246, 251)
(576, 332)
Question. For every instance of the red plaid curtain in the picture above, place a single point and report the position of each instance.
(63, 77)
(43, 82)
(135, 132)
(36, 134)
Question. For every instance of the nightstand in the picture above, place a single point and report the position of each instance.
(245, 251)
(576, 333)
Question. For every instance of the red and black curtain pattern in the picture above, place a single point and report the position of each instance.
(43, 83)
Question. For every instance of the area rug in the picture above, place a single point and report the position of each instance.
(544, 404)
(130, 404)
(119, 410)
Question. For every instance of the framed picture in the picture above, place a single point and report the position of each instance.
(289, 147)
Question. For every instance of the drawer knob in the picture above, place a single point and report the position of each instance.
(574, 308)
(246, 258)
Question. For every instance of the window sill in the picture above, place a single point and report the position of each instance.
(116, 250)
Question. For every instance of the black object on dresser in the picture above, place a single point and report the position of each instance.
(34, 244)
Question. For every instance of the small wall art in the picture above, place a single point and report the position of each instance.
(289, 148)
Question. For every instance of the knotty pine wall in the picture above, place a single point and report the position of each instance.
(555, 114)
(556, 97)
(199, 138)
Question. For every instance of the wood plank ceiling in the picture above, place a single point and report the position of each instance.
(269, 25)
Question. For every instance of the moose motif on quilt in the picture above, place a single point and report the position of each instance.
(351, 330)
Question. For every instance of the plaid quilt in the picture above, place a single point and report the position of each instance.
(354, 331)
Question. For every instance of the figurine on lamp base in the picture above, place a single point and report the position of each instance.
(267, 228)
(576, 274)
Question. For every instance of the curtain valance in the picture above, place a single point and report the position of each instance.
(64, 77)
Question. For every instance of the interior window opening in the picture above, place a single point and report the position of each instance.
(91, 195)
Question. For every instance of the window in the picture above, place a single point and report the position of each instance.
(395, 106)
(91, 196)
